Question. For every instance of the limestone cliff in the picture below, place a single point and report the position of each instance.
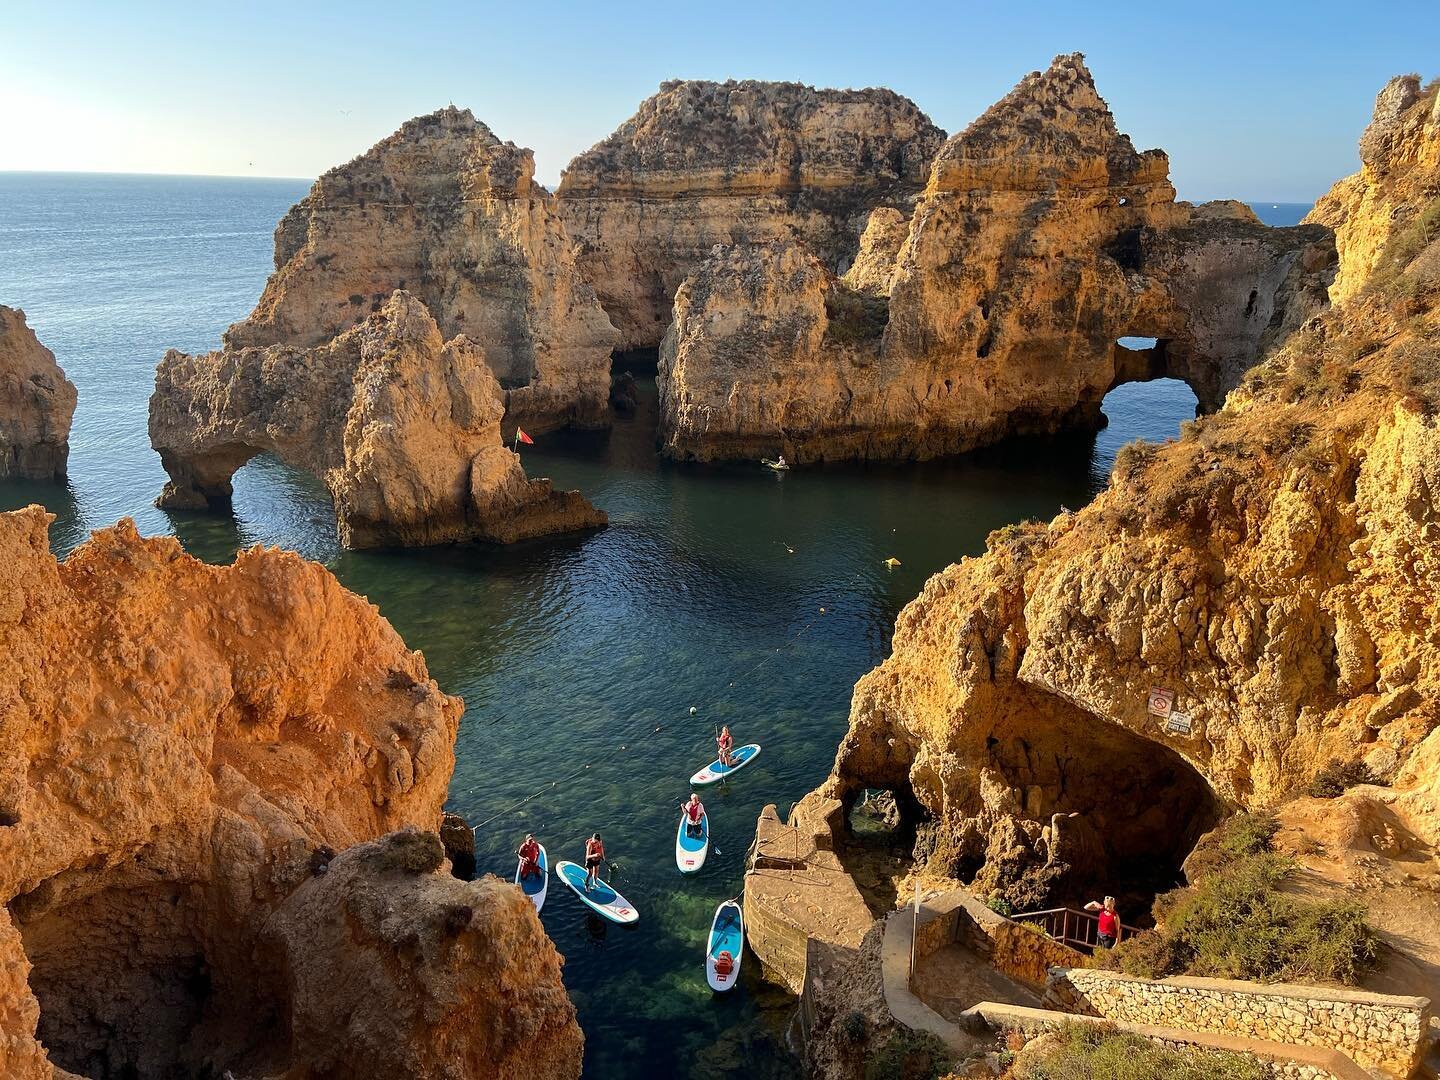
(37, 403)
(1400, 167)
(448, 212)
(1276, 570)
(183, 750)
(403, 427)
(705, 163)
(1041, 238)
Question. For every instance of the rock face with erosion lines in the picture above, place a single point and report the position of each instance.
(37, 403)
(424, 300)
(218, 794)
(1275, 571)
(706, 163)
(403, 427)
(1041, 238)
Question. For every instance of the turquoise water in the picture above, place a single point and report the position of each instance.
(755, 598)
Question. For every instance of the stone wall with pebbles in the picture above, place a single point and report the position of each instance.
(1378, 1031)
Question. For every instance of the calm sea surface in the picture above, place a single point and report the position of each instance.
(758, 599)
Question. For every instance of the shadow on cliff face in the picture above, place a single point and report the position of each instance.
(1046, 805)
(125, 986)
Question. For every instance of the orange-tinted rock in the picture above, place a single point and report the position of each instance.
(705, 163)
(1040, 239)
(403, 427)
(446, 211)
(1276, 569)
(37, 404)
(183, 750)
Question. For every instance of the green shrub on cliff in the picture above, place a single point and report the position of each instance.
(909, 1055)
(1099, 1052)
(1236, 923)
(1332, 781)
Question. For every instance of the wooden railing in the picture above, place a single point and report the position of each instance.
(1076, 928)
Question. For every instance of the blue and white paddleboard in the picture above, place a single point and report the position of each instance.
(716, 771)
(727, 934)
(690, 851)
(601, 899)
(536, 887)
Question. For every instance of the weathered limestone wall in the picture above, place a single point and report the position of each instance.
(1378, 1031)
(795, 891)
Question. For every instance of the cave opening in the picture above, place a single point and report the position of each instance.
(644, 361)
(877, 847)
(126, 985)
(1102, 809)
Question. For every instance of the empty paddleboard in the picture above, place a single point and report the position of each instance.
(727, 934)
(716, 771)
(690, 851)
(601, 899)
(536, 886)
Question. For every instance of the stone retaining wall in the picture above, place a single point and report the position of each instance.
(1282, 1062)
(1378, 1031)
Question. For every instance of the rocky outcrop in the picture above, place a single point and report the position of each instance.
(1041, 238)
(705, 163)
(1398, 180)
(403, 427)
(1273, 574)
(37, 403)
(448, 212)
(184, 748)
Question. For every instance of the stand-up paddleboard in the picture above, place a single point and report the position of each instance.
(727, 935)
(778, 466)
(536, 887)
(740, 757)
(690, 851)
(601, 899)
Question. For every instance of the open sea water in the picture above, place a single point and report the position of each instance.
(757, 598)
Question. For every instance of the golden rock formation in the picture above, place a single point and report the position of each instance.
(1400, 164)
(1041, 238)
(446, 211)
(424, 295)
(705, 163)
(37, 404)
(1274, 573)
(183, 750)
(403, 427)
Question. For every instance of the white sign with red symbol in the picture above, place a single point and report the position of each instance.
(1161, 702)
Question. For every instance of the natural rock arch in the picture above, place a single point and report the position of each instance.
(403, 427)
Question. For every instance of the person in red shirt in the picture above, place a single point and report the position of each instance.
(694, 814)
(529, 853)
(594, 856)
(1108, 923)
(723, 743)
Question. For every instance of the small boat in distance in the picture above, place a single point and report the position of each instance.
(778, 466)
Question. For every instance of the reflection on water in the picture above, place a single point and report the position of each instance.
(757, 598)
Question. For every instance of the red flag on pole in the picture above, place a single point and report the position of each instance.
(521, 437)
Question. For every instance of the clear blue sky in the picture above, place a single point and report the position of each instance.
(1255, 100)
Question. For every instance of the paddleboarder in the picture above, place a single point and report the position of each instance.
(594, 856)
(694, 814)
(529, 852)
(723, 743)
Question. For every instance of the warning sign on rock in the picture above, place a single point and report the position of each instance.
(1178, 723)
(1161, 701)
